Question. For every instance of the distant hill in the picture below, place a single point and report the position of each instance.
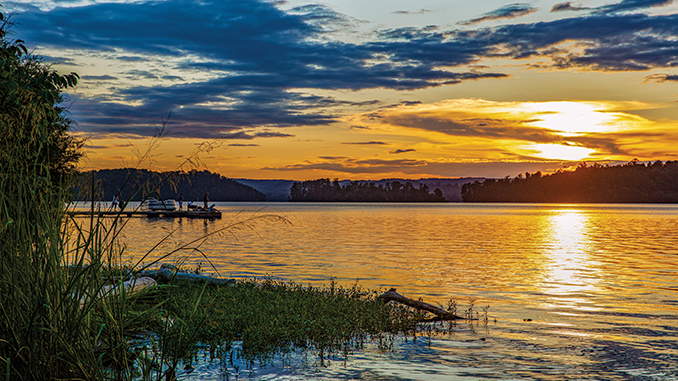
(279, 190)
(275, 190)
(137, 184)
(634, 182)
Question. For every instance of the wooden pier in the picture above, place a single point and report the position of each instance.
(149, 213)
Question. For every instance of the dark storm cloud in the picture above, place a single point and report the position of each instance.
(506, 12)
(257, 55)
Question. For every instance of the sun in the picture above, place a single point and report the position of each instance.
(571, 118)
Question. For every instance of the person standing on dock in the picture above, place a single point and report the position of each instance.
(206, 199)
(114, 203)
(181, 200)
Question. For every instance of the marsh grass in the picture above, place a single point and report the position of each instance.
(257, 321)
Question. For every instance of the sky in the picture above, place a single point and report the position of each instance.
(363, 90)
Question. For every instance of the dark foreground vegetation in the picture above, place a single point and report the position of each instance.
(635, 182)
(324, 190)
(134, 184)
(64, 311)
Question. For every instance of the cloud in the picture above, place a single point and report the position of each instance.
(248, 64)
(246, 136)
(607, 42)
(402, 151)
(172, 77)
(366, 143)
(506, 12)
(469, 118)
(423, 168)
(353, 165)
(139, 74)
(507, 125)
(132, 59)
(420, 12)
(661, 78)
(632, 5)
(59, 60)
(560, 7)
(243, 145)
(105, 77)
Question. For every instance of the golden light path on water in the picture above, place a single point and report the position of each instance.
(570, 273)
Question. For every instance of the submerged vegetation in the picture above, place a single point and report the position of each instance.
(634, 182)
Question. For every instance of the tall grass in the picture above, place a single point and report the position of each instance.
(45, 332)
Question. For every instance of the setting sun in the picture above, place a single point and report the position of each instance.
(571, 118)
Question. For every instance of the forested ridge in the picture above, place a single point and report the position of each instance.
(324, 190)
(634, 182)
(136, 184)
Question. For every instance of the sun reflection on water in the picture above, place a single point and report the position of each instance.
(570, 273)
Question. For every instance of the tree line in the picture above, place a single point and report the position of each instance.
(137, 184)
(634, 182)
(324, 190)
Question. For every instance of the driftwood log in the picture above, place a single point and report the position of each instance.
(392, 295)
(167, 274)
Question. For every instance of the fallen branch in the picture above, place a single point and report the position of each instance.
(392, 295)
(168, 274)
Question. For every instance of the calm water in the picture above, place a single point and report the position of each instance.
(578, 291)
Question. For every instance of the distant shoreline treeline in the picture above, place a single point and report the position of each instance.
(324, 190)
(137, 184)
(634, 182)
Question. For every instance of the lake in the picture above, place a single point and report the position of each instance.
(584, 292)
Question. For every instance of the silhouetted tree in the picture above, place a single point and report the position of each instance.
(322, 190)
(655, 182)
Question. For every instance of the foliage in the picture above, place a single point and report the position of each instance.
(33, 123)
(137, 184)
(323, 190)
(635, 182)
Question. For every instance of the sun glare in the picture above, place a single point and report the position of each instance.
(571, 118)
(558, 152)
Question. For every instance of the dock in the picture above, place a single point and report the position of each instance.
(149, 213)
